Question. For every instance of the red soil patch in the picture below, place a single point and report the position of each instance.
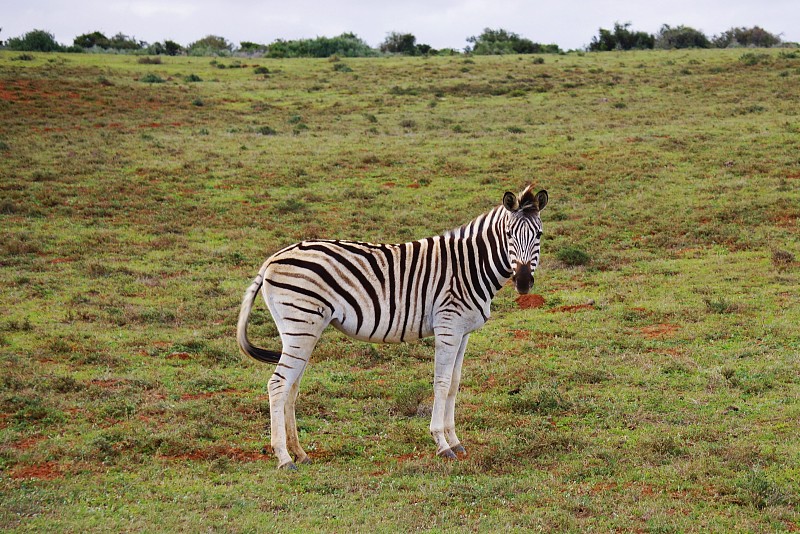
(27, 443)
(659, 330)
(232, 453)
(179, 356)
(521, 334)
(527, 302)
(194, 396)
(112, 383)
(45, 471)
(573, 308)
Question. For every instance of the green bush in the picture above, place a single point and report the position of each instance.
(573, 256)
(35, 41)
(500, 41)
(152, 78)
(681, 37)
(345, 45)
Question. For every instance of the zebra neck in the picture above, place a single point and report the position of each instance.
(485, 241)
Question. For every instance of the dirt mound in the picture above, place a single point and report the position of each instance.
(527, 302)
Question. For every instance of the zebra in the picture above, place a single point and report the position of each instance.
(440, 286)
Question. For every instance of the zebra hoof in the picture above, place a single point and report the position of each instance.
(288, 466)
(305, 461)
(448, 454)
(459, 450)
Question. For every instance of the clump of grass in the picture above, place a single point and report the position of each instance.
(191, 78)
(23, 57)
(198, 102)
(538, 399)
(149, 60)
(152, 78)
(290, 205)
(408, 124)
(573, 256)
(515, 130)
(267, 130)
(720, 305)
(261, 70)
(409, 399)
(752, 58)
(342, 67)
(754, 488)
(782, 259)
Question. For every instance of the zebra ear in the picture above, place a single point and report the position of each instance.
(510, 201)
(541, 199)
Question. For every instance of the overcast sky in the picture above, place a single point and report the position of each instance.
(439, 23)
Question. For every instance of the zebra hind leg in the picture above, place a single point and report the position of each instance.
(293, 440)
(283, 389)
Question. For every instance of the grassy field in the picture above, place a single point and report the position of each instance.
(656, 387)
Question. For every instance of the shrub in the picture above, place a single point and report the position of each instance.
(261, 70)
(210, 45)
(122, 42)
(755, 36)
(492, 42)
(345, 45)
(35, 41)
(621, 38)
(681, 37)
(193, 78)
(152, 78)
(90, 40)
(400, 43)
(573, 256)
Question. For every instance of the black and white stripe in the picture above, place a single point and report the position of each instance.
(440, 286)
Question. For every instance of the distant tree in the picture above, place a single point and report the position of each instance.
(344, 45)
(681, 37)
(399, 43)
(621, 39)
(35, 41)
(90, 40)
(122, 42)
(251, 48)
(210, 45)
(171, 48)
(502, 41)
(755, 36)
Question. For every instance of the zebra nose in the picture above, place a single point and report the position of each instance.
(523, 278)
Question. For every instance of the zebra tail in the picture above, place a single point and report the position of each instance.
(257, 353)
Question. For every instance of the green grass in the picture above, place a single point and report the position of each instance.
(657, 389)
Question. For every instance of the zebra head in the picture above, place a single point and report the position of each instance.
(523, 232)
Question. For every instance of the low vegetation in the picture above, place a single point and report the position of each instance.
(651, 382)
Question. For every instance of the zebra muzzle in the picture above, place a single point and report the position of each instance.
(523, 278)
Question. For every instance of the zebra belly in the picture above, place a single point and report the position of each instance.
(385, 333)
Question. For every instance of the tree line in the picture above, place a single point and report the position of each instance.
(489, 42)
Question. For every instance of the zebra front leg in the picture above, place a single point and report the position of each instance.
(450, 407)
(447, 349)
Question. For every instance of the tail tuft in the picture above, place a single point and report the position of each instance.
(257, 353)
